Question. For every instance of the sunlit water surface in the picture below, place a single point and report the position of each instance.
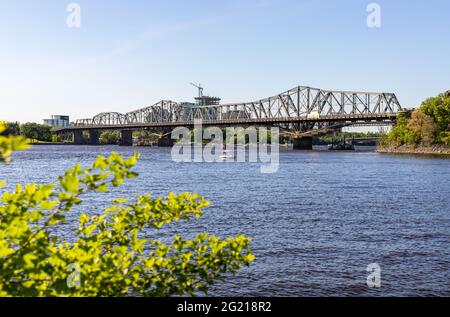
(316, 224)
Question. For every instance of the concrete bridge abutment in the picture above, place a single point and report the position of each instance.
(94, 137)
(78, 137)
(126, 138)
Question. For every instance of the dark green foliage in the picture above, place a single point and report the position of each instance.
(10, 143)
(11, 128)
(110, 137)
(36, 132)
(428, 125)
(438, 108)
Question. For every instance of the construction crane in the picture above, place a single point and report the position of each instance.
(200, 89)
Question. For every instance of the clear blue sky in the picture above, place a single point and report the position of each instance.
(129, 54)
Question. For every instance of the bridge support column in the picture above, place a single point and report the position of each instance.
(165, 141)
(78, 137)
(126, 138)
(305, 143)
(94, 137)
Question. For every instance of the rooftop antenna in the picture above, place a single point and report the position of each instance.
(200, 89)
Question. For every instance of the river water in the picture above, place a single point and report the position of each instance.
(316, 224)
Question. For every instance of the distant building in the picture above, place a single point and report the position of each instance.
(207, 101)
(58, 121)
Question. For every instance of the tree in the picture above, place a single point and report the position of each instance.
(423, 127)
(445, 137)
(110, 137)
(430, 124)
(401, 134)
(11, 128)
(9, 144)
(438, 108)
(36, 132)
(110, 256)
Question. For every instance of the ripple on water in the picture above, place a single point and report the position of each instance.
(316, 224)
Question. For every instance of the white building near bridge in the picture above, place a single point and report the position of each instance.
(58, 121)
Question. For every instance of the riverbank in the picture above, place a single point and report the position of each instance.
(50, 143)
(407, 149)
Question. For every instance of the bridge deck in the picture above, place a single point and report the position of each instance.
(359, 118)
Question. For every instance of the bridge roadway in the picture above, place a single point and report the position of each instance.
(303, 112)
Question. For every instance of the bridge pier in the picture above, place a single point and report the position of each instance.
(126, 138)
(165, 141)
(305, 143)
(94, 137)
(78, 137)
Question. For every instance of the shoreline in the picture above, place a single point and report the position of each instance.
(441, 150)
(49, 143)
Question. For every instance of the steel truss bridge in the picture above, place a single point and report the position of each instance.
(301, 112)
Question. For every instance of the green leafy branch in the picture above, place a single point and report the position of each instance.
(113, 256)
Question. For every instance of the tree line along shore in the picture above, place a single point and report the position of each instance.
(425, 130)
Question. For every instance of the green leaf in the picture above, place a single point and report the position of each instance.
(109, 255)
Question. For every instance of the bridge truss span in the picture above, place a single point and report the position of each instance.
(303, 105)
